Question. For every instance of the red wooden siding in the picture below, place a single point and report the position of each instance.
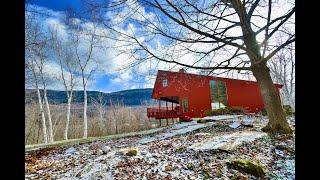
(196, 89)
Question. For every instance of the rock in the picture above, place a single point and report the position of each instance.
(247, 123)
(280, 153)
(71, 151)
(155, 155)
(201, 162)
(201, 121)
(119, 153)
(98, 152)
(235, 125)
(95, 146)
(132, 152)
(190, 166)
(152, 160)
(143, 153)
(247, 166)
(105, 149)
(168, 168)
(239, 176)
(191, 177)
(180, 149)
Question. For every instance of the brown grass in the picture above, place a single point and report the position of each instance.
(116, 119)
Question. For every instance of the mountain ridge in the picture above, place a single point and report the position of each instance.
(130, 97)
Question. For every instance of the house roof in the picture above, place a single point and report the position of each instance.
(222, 78)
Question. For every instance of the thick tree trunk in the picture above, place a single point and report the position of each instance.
(49, 115)
(85, 120)
(277, 120)
(68, 117)
(43, 118)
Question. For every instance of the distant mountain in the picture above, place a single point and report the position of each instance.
(130, 97)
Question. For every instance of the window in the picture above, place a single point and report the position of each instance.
(165, 83)
(184, 104)
(218, 94)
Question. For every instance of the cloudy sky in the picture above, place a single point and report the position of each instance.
(110, 78)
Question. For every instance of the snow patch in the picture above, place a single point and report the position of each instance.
(227, 142)
(177, 129)
(222, 117)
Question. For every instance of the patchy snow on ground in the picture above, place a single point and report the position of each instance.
(177, 129)
(222, 117)
(227, 142)
(183, 151)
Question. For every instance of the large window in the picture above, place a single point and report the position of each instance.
(218, 92)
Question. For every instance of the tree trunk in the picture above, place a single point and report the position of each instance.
(43, 118)
(68, 117)
(85, 120)
(49, 115)
(116, 124)
(277, 120)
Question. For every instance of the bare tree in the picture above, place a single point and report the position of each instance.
(223, 35)
(67, 63)
(282, 68)
(35, 43)
(84, 42)
(44, 80)
(100, 105)
(31, 67)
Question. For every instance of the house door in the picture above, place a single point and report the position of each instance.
(184, 103)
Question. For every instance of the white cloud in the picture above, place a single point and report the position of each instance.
(113, 60)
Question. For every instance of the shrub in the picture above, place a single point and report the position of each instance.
(226, 110)
(235, 110)
(207, 112)
(287, 110)
(132, 152)
(264, 112)
(116, 119)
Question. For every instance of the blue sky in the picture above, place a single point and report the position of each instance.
(58, 5)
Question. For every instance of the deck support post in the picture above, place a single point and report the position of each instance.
(160, 122)
(172, 110)
(167, 112)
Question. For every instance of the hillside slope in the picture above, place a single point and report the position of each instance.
(130, 97)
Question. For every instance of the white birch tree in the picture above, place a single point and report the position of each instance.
(32, 41)
(67, 63)
(85, 42)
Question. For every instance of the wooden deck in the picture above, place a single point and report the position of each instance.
(162, 113)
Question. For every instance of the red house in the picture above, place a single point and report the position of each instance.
(190, 95)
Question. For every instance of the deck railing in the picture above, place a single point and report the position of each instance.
(161, 113)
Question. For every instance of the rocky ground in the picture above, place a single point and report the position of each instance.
(184, 151)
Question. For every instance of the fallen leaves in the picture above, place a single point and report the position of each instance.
(168, 158)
